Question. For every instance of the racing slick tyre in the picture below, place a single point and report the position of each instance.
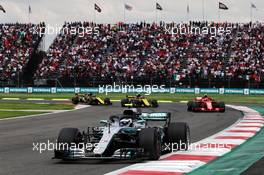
(189, 106)
(178, 136)
(107, 101)
(91, 102)
(149, 140)
(67, 136)
(75, 100)
(124, 102)
(195, 105)
(222, 106)
(154, 103)
(136, 103)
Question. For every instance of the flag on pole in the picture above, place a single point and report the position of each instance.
(222, 6)
(2, 8)
(158, 7)
(97, 8)
(128, 7)
(29, 9)
(188, 9)
(253, 6)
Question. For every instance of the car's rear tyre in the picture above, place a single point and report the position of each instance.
(75, 100)
(154, 103)
(91, 102)
(149, 139)
(178, 135)
(136, 103)
(124, 102)
(107, 101)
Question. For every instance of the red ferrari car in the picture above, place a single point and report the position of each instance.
(205, 104)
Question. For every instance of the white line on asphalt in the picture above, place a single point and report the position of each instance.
(32, 110)
(77, 107)
(35, 99)
(164, 101)
(115, 100)
(60, 99)
(10, 98)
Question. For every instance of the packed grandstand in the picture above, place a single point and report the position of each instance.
(134, 53)
(17, 44)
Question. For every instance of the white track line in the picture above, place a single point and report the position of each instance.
(60, 99)
(10, 98)
(77, 107)
(35, 99)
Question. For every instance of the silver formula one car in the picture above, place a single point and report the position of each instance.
(126, 136)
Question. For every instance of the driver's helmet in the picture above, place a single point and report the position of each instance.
(205, 96)
(138, 95)
(126, 122)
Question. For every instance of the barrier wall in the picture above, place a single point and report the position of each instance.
(139, 89)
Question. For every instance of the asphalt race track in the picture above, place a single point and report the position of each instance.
(17, 137)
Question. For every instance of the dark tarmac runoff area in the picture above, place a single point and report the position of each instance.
(18, 135)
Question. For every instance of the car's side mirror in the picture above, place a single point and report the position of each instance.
(104, 122)
(141, 122)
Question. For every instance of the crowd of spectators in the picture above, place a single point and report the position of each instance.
(138, 50)
(16, 46)
(144, 50)
(247, 53)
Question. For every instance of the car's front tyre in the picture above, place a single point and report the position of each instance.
(107, 101)
(149, 140)
(178, 136)
(154, 103)
(124, 102)
(189, 106)
(67, 137)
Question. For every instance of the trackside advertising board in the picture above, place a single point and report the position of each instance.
(145, 90)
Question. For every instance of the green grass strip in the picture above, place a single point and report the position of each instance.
(232, 98)
(34, 106)
(9, 114)
(239, 159)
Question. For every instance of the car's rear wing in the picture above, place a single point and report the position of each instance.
(156, 116)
